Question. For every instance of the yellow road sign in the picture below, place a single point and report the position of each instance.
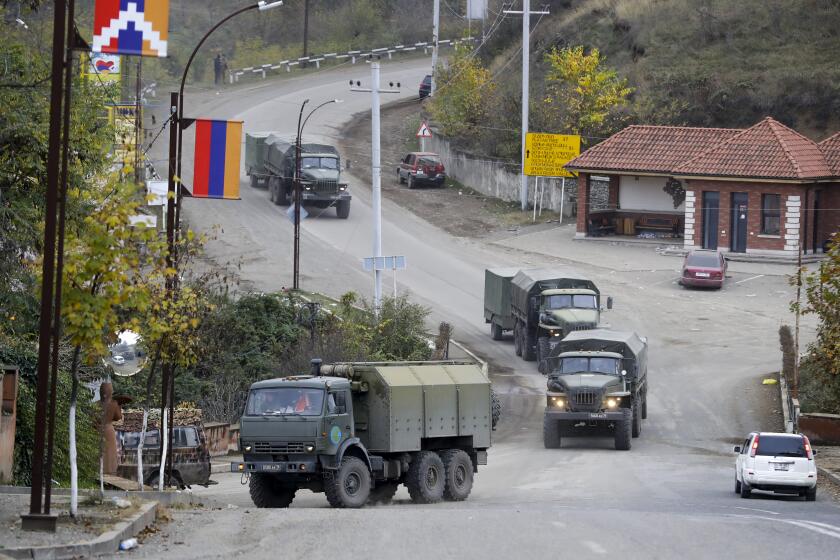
(546, 154)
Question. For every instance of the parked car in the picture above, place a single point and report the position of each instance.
(776, 462)
(705, 269)
(119, 360)
(426, 86)
(421, 168)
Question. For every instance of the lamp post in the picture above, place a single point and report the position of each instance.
(300, 127)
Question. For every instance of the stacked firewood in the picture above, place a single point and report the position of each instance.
(132, 420)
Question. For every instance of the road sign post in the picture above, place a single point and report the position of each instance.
(422, 133)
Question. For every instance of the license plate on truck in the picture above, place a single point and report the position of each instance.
(272, 467)
(597, 414)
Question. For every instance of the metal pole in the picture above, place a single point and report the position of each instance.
(536, 193)
(59, 272)
(526, 55)
(376, 185)
(562, 198)
(395, 282)
(435, 36)
(138, 124)
(48, 278)
(296, 278)
(306, 28)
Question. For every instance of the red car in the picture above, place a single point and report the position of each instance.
(421, 167)
(705, 269)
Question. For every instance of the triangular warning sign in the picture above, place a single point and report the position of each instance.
(424, 131)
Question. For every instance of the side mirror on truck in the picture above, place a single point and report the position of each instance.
(609, 302)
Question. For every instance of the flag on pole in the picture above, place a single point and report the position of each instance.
(135, 27)
(218, 146)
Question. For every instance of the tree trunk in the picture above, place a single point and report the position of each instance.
(149, 385)
(74, 469)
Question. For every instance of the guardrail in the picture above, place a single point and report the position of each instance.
(351, 56)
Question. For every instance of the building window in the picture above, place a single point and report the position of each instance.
(771, 214)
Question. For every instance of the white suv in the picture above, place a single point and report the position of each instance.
(781, 463)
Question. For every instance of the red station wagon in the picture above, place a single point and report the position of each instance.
(421, 167)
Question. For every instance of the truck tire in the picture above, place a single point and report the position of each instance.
(637, 419)
(517, 339)
(529, 346)
(254, 179)
(644, 406)
(811, 494)
(551, 433)
(624, 430)
(745, 490)
(495, 408)
(284, 194)
(383, 493)
(411, 182)
(271, 189)
(737, 485)
(495, 330)
(458, 469)
(426, 478)
(543, 350)
(342, 209)
(349, 486)
(267, 492)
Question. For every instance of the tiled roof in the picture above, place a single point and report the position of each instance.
(767, 150)
(652, 149)
(830, 147)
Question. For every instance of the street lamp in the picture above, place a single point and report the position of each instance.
(296, 277)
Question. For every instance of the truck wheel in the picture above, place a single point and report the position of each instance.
(349, 486)
(495, 331)
(543, 350)
(271, 190)
(644, 406)
(254, 180)
(529, 347)
(495, 408)
(551, 433)
(267, 492)
(811, 494)
(624, 430)
(458, 469)
(517, 339)
(283, 194)
(410, 182)
(426, 478)
(637, 419)
(737, 485)
(745, 490)
(342, 209)
(383, 493)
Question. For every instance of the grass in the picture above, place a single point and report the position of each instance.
(507, 212)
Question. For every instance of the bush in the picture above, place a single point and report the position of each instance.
(819, 391)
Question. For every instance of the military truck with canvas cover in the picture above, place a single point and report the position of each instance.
(497, 311)
(320, 175)
(356, 431)
(255, 150)
(597, 379)
(548, 304)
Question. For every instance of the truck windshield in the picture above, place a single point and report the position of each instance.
(318, 163)
(565, 301)
(589, 365)
(278, 401)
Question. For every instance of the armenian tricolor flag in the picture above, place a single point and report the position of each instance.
(218, 146)
(136, 27)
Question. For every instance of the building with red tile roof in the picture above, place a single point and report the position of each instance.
(765, 190)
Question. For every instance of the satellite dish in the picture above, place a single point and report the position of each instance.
(127, 356)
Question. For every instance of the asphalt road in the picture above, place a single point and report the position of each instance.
(670, 496)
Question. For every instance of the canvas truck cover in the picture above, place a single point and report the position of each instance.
(318, 149)
(497, 292)
(531, 282)
(276, 150)
(628, 344)
(255, 150)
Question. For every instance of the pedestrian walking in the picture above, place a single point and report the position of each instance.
(217, 68)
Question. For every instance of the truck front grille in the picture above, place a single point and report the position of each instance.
(325, 187)
(585, 398)
(264, 447)
(586, 327)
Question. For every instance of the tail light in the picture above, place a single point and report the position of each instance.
(754, 446)
(716, 275)
(808, 451)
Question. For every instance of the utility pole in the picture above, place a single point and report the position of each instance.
(306, 28)
(376, 179)
(435, 37)
(138, 125)
(526, 56)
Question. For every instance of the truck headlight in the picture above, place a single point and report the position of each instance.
(247, 449)
(342, 187)
(310, 448)
(612, 403)
(558, 402)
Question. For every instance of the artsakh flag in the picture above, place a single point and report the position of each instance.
(135, 27)
(218, 146)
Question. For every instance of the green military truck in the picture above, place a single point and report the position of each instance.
(497, 310)
(356, 431)
(548, 304)
(597, 379)
(270, 160)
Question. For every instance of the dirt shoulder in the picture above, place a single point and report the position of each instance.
(458, 210)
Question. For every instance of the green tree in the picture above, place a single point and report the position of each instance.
(582, 96)
(396, 332)
(463, 96)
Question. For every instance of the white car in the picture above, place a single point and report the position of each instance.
(119, 360)
(780, 463)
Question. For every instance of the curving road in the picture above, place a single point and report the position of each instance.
(670, 496)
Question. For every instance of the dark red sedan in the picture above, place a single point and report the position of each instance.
(705, 269)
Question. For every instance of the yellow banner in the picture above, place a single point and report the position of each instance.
(546, 154)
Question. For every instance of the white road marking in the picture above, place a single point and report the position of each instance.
(812, 526)
(756, 509)
(750, 278)
(595, 547)
(559, 524)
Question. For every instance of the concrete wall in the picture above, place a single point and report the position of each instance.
(8, 421)
(821, 429)
(645, 193)
(491, 178)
